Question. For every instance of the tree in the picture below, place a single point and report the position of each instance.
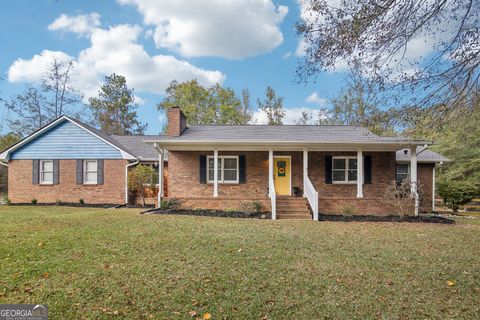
(358, 104)
(31, 111)
(114, 110)
(201, 105)
(272, 106)
(8, 140)
(57, 84)
(45, 101)
(379, 34)
(455, 193)
(305, 118)
(140, 178)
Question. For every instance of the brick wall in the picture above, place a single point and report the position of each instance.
(425, 177)
(184, 182)
(21, 189)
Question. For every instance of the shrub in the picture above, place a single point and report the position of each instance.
(400, 197)
(251, 207)
(82, 202)
(455, 194)
(349, 209)
(34, 201)
(170, 204)
(139, 177)
(4, 199)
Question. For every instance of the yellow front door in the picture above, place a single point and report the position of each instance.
(282, 175)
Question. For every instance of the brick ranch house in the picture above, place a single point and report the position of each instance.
(292, 171)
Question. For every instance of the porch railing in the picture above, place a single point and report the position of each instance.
(312, 197)
(273, 197)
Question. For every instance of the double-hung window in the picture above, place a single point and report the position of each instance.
(227, 169)
(403, 172)
(46, 171)
(344, 169)
(90, 171)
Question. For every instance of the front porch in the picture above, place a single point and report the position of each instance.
(226, 178)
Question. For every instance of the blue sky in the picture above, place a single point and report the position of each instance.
(249, 44)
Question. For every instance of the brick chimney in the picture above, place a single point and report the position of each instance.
(176, 122)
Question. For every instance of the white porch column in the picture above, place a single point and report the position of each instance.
(270, 171)
(160, 176)
(433, 187)
(413, 176)
(359, 173)
(305, 169)
(215, 173)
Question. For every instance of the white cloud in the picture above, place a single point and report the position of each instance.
(116, 50)
(82, 24)
(300, 51)
(220, 28)
(292, 115)
(316, 99)
(31, 70)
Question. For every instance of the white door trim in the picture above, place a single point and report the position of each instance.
(290, 173)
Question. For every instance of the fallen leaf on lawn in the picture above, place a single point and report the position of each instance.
(28, 289)
(450, 283)
(207, 316)
(193, 313)
(41, 244)
(240, 250)
(46, 275)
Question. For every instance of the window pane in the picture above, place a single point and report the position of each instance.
(91, 166)
(339, 175)
(91, 177)
(338, 163)
(230, 175)
(47, 166)
(47, 177)
(210, 175)
(210, 164)
(402, 168)
(352, 175)
(352, 164)
(230, 163)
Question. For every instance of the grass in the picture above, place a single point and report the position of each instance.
(102, 264)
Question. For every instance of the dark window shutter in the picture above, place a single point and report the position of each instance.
(79, 171)
(203, 168)
(35, 171)
(56, 172)
(367, 169)
(328, 169)
(100, 171)
(242, 174)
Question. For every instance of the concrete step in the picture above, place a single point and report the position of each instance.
(299, 216)
(290, 210)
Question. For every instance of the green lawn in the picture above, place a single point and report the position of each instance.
(98, 263)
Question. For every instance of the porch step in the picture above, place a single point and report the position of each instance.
(293, 208)
(298, 216)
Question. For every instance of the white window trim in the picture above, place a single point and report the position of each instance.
(42, 172)
(85, 173)
(220, 166)
(346, 181)
(408, 171)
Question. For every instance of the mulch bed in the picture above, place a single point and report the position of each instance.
(391, 218)
(212, 213)
(78, 205)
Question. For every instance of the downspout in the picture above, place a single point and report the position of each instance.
(126, 178)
